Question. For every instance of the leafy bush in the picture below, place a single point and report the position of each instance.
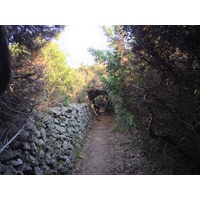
(18, 51)
(62, 82)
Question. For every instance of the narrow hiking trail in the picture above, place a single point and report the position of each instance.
(102, 151)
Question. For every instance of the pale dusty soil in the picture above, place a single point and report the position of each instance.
(103, 150)
(115, 153)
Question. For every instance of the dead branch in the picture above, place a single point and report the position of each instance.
(15, 111)
(24, 76)
(153, 134)
(9, 142)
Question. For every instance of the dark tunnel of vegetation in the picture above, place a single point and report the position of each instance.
(154, 84)
(152, 79)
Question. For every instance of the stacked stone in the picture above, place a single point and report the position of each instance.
(50, 146)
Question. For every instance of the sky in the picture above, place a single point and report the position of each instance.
(76, 39)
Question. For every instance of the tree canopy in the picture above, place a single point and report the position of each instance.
(27, 34)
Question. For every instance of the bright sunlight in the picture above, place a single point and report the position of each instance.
(75, 40)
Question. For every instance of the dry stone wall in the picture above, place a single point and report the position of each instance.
(49, 145)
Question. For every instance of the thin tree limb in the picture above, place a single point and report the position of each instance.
(8, 143)
(15, 111)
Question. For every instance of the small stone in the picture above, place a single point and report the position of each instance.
(46, 170)
(42, 153)
(54, 135)
(43, 133)
(25, 135)
(33, 147)
(16, 162)
(56, 111)
(9, 155)
(60, 129)
(26, 146)
(2, 168)
(40, 142)
(10, 171)
(70, 146)
(38, 134)
(26, 168)
(49, 149)
(56, 121)
(74, 112)
(38, 171)
(62, 124)
(33, 160)
(65, 145)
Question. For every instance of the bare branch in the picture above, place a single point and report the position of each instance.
(9, 142)
(15, 111)
(24, 76)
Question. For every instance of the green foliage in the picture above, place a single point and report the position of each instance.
(18, 51)
(57, 69)
(118, 65)
(67, 100)
(27, 35)
(131, 120)
(63, 83)
(92, 77)
(197, 92)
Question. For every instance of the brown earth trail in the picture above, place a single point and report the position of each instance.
(102, 152)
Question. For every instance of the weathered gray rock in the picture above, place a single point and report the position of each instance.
(33, 147)
(16, 162)
(70, 146)
(52, 163)
(26, 136)
(74, 112)
(43, 133)
(18, 144)
(46, 170)
(62, 118)
(12, 171)
(48, 156)
(25, 168)
(26, 146)
(55, 136)
(3, 168)
(9, 154)
(32, 160)
(47, 121)
(42, 153)
(40, 142)
(60, 129)
(38, 134)
(71, 129)
(65, 145)
(49, 149)
(38, 171)
(66, 121)
(62, 124)
(56, 121)
(62, 137)
(55, 111)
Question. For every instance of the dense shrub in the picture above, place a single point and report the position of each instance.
(153, 81)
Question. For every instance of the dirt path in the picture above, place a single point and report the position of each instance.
(102, 152)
